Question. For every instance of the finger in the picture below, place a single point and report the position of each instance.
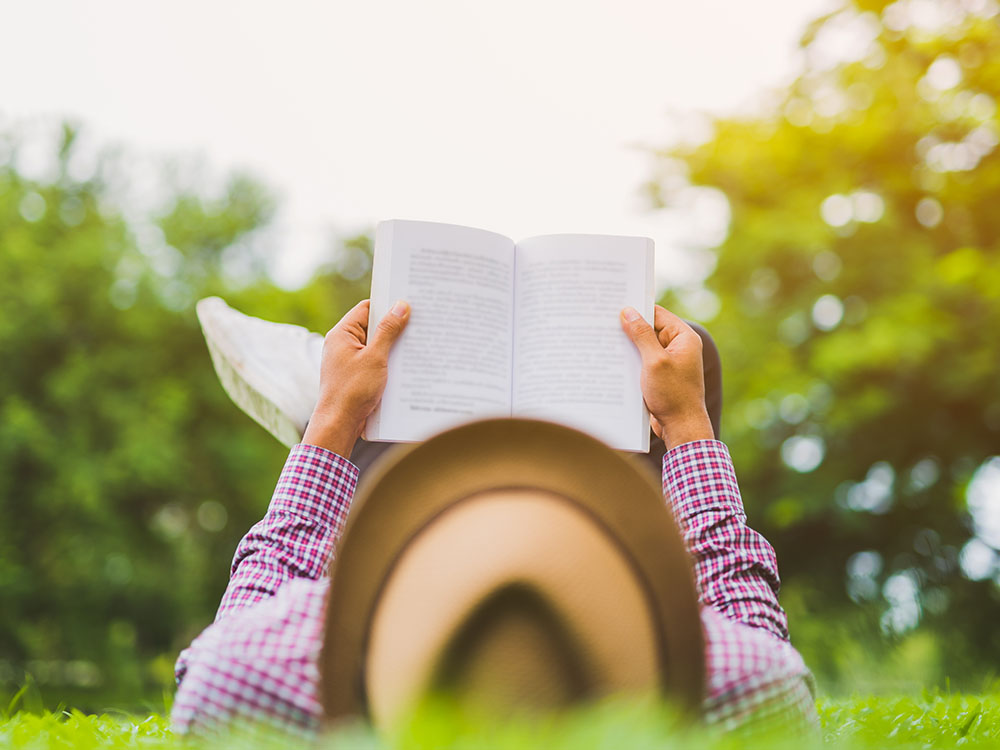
(676, 335)
(668, 326)
(389, 329)
(641, 333)
(355, 322)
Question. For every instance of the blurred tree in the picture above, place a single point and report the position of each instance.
(858, 294)
(126, 476)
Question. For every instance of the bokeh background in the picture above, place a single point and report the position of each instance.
(832, 215)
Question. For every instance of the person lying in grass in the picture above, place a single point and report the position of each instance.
(273, 654)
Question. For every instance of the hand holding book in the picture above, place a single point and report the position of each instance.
(352, 376)
(673, 378)
(355, 360)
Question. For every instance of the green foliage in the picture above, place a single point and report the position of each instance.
(126, 476)
(863, 722)
(928, 721)
(859, 290)
(77, 730)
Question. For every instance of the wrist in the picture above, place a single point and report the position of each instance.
(332, 433)
(686, 428)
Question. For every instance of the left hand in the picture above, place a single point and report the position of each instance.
(673, 382)
(352, 376)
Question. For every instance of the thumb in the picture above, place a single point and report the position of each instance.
(389, 329)
(641, 333)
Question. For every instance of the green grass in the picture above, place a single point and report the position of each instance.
(930, 721)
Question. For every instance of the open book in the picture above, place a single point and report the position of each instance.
(498, 328)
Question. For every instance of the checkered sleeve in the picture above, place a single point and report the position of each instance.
(296, 536)
(735, 567)
(292, 543)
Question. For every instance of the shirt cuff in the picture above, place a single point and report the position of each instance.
(315, 483)
(699, 476)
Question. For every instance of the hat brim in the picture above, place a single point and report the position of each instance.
(414, 484)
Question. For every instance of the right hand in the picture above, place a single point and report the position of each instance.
(352, 376)
(673, 379)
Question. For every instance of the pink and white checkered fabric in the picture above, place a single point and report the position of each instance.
(754, 675)
(258, 662)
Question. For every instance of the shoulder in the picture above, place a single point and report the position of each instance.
(751, 672)
(259, 663)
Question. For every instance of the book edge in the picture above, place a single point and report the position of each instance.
(380, 286)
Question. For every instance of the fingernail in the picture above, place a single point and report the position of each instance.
(631, 314)
(400, 308)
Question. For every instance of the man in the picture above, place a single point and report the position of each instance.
(259, 660)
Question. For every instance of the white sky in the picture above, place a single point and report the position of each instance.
(520, 116)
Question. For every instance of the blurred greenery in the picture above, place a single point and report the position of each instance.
(925, 721)
(126, 476)
(855, 299)
(858, 309)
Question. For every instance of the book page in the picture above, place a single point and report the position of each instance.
(453, 362)
(573, 364)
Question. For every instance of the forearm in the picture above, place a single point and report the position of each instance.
(296, 536)
(736, 570)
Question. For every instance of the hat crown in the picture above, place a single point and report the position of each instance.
(512, 653)
(556, 489)
(556, 583)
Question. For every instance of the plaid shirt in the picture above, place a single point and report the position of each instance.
(259, 660)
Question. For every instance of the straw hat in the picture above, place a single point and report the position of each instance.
(513, 564)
